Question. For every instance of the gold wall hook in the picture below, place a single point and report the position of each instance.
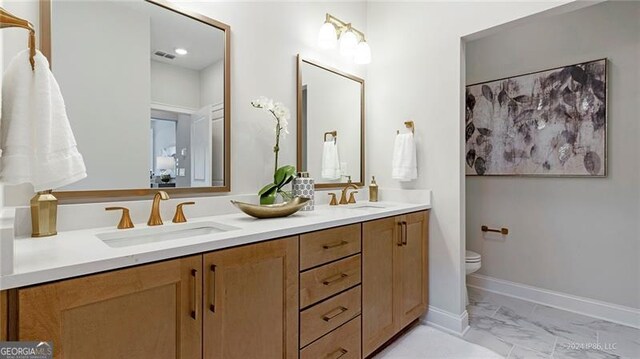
(179, 216)
(410, 125)
(333, 134)
(8, 19)
(125, 219)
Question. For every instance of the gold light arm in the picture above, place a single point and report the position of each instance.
(342, 26)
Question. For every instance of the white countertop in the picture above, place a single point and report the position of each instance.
(80, 252)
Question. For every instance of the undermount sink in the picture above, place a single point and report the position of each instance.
(134, 237)
(367, 206)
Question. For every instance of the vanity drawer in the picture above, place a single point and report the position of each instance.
(328, 315)
(329, 245)
(323, 282)
(343, 343)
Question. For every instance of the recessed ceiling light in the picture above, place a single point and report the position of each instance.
(181, 51)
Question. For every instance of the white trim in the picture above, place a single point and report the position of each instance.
(172, 108)
(590, 307)
(446, 321)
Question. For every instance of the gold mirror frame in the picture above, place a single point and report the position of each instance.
(128, 194)
(299, 119)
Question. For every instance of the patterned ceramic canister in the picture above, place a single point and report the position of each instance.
(303, 186)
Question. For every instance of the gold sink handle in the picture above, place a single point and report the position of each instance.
(352, 198)
(334, 201)
(179, 216)
(125, 220)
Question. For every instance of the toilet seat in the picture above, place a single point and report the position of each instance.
(472, 257)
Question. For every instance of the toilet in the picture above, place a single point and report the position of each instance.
(473, 262)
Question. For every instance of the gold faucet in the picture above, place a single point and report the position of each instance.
(343, 197)
(155, 219)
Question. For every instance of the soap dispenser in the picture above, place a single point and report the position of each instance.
(373, 190)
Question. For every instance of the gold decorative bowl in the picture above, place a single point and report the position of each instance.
(272, 210)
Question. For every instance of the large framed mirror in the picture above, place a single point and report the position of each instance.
(147, 91)
(331, 123)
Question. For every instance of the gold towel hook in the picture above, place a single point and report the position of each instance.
(333, 133)
(410, 125)
(8, 20)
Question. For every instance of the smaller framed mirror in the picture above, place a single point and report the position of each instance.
(331, 120)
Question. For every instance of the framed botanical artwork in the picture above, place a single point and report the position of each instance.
(546, 123)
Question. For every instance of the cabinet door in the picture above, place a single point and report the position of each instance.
(380, 252)
(412, 291)
(150, 311)
(251, 301)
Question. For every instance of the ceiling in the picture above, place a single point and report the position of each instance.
(171, 30)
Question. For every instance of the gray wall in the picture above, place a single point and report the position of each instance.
(574, 235)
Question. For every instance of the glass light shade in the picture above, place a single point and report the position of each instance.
(327, 37)
(362, 54)
(165, 163)
(348, 43)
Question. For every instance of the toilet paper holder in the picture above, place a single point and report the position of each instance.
(502, 230)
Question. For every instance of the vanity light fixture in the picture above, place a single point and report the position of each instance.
(181, 51)
(352, 43)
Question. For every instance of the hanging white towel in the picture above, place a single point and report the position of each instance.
(330, 161)
(37, 143)
(404, 165)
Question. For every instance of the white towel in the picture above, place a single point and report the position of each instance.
(330, 161)
(37, 143)
(404, 165)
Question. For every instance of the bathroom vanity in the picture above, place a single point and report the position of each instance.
(339, 282)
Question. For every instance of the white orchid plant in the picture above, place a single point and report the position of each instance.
(285, 174)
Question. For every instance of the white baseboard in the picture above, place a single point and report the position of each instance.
(446, 321)
(590, 307)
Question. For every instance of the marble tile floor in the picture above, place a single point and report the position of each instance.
(515, 328)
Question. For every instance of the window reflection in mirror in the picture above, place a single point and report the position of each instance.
(330, 124)
(144, 91)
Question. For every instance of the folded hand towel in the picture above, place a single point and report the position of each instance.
(330, 161)
(404, 165)
(37, 143)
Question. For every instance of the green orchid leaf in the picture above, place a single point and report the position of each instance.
(284, 175)
(268, 198)
(286, 181)
(271, 187)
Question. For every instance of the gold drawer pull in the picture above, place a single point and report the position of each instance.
(335, 279)
(337, 354)
(334, 313)
(335, 245)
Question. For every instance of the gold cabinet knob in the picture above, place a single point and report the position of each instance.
(352, 198)
(334, 201)
(125, 220)
(179, 216)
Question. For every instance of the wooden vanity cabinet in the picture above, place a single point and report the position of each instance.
(149, 311)
(251, 301)
(394, 276)
(339, 292)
